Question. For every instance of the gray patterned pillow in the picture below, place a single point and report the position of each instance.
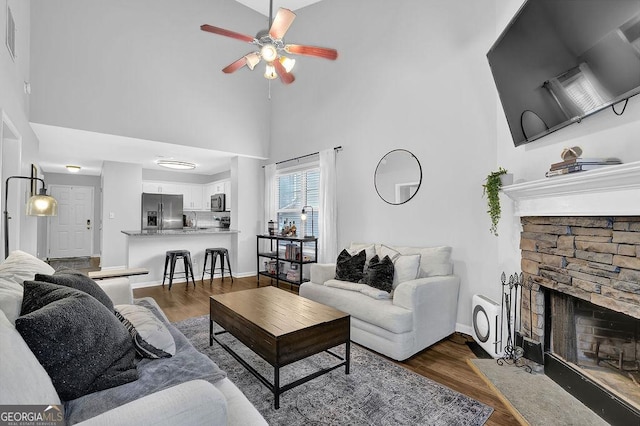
(379, 274)
(350, 268)
(79, 342)
(79, 281)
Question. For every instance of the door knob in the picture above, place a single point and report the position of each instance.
(88, 223)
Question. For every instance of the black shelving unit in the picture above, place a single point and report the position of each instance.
(278, 252)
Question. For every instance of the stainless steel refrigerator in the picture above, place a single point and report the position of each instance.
(161, 212)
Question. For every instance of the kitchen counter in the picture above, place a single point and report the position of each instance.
(147, 249)
(182, 232)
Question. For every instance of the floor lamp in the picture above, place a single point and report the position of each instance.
(38, 205)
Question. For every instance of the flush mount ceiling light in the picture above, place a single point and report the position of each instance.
(73, 169)
(176, 165)
(271, 47)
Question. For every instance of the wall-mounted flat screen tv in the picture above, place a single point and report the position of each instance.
(559, 61)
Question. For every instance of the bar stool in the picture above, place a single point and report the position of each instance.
(215, 252)
(171, 257)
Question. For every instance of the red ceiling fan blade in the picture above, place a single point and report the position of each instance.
(286, 77)
(235, 66)
(226, 33)
(320, 52)
(281, 23)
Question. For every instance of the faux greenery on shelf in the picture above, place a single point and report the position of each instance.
(491, 189)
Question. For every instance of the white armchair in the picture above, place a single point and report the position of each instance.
(420, 312)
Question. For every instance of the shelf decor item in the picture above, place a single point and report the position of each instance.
(491, 189)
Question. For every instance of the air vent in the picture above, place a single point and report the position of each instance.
(11, 33)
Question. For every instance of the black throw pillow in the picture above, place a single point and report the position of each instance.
(79, 281)
(81, 344)
(379, 274)
(350, 268)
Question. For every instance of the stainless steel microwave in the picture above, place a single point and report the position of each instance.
(218, 203)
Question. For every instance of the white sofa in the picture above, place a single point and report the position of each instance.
(420, 311)
(24, 381)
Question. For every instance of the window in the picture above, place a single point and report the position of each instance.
(11, 33)
(296, 188)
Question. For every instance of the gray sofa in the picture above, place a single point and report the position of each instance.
(186, 389)
(420, 311)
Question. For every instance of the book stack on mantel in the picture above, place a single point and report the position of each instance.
(580, 164)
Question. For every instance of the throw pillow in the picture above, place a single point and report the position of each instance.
(21, 266)
(369, 249)
(79, 281)
(80, 343)
(14, 270)
(150, 336)
(23, 379)
(379, 274)
(10, 299)
(406, 268)
(350, 268)
(383, 251)
(435, 261)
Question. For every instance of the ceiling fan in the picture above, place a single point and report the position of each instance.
(272, 48)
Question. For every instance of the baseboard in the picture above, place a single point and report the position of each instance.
(145, 284)
(463, 328)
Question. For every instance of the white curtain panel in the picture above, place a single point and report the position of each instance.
(328, 236)
(269, 195)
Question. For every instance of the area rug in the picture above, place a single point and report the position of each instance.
(534, 399)
(376, 392)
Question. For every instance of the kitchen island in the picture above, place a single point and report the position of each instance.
(146, 249)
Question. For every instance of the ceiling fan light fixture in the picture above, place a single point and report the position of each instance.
(270, 72)
(269, 52)
(176, 165)
(287, 63)
(252, 60)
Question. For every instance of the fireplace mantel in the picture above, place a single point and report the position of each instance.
(608, 191)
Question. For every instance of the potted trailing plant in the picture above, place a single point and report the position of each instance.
(491, 189)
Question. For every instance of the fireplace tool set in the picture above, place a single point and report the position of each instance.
(513, 355)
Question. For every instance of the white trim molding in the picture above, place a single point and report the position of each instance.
(608, 191)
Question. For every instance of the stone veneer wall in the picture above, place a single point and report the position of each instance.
(596, 259)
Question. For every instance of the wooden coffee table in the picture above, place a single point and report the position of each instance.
(282, 328)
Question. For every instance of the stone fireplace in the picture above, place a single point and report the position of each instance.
(580, 247)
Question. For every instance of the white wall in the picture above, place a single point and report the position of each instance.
(410, 74)
(246, 210)
(144, 69)
(121, 201)
(14, 102)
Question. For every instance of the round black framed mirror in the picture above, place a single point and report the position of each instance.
(398, 176)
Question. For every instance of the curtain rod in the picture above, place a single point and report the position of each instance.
(335, 148)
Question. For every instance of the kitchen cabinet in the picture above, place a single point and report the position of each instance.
(227, 193)
(160, 188)
(192, 197)
(195, 196)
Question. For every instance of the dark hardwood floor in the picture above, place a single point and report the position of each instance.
(445, 362)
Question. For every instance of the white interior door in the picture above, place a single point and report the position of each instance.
(71, 231)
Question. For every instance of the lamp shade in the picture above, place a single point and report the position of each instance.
(42, 205)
